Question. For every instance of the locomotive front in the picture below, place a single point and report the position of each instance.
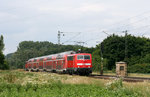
(84, 63)
(80, 63)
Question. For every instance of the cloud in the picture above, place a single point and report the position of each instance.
(83, 8)
(92, 8)
(39, 20)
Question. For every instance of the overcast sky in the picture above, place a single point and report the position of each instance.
(40, 20)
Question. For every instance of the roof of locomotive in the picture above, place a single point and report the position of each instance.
(82, 53)
(79, 54)
(52, 55)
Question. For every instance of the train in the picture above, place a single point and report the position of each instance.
(66, 62)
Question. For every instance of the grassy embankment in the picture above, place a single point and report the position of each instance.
(18, 83)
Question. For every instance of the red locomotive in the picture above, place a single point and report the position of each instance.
(66, 62)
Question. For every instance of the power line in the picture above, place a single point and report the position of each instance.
(140, 27)
(72, 38)
(59, 36)
(142, 19)
(135, 22)
(109, 26)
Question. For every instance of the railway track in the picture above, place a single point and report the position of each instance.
(111, 77)
(127, 79)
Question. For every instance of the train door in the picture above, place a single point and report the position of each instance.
(36, 65)
(70, 62)
(54, 65)
(29, 65)
(58, 64)
(44, 63)
(40, 65)
(62, 64)
(50, 65)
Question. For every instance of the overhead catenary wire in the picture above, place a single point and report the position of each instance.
(140, 18)
(120, 22)
(72, 38)
(68, 40)
(115, 29)
(134, 22)
(140, 27)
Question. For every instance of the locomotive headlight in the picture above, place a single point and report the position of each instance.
(79, 63)
(88, 64)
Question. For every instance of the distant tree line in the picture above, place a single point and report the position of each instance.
(137, 54)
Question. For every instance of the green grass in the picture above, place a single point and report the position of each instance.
(40, 84)
(61, 90)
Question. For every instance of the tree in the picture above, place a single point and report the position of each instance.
(1, 43)
(3, 63)
(113, 48)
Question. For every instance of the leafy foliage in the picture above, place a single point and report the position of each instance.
(113, 49)
(3, 63)
(1, 43)
(96, 60)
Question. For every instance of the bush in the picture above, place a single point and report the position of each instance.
(115, 84)
(140, 68)
(145, 59)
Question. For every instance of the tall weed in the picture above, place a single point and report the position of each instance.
(115, 84)
(10, 78)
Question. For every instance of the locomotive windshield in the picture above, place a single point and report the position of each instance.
(83, 57)
(86, 57)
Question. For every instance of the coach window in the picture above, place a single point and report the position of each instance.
(69, 58)
(87, 57)
(80, 57)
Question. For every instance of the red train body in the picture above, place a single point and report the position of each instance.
(67, 62)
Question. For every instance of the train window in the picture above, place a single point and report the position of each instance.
(69, 58)
(49, 58)
(86, 57)
(41, 59)
(80, 57)
(34, 60)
